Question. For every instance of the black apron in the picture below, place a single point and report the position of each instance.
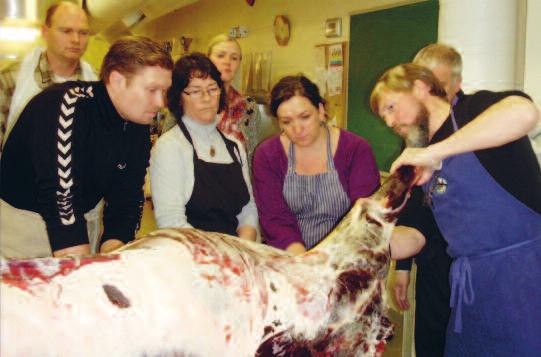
(219, 191)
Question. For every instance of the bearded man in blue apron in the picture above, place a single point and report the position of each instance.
(483, 183)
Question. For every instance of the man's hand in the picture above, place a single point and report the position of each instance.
(83, 249)
(400, 289)
(425, 160)
(110, 245)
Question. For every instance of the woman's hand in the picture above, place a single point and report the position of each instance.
(296, 248)
(247, 232)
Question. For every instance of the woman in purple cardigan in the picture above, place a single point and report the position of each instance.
(307, 177)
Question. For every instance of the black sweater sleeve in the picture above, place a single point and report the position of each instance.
(125, 197)
(55, 159)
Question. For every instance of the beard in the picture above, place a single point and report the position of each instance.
(417, 135)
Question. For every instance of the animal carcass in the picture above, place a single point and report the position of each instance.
(184, 292)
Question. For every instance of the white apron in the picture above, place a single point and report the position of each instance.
(26, 88)
(23, 233)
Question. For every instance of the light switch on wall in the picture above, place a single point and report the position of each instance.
(233, 32)
(242, 31)
(238, 32)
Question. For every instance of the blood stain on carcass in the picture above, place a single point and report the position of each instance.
(23, 273)
(350, 282)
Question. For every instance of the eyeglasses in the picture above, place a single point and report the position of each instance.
(200, 93)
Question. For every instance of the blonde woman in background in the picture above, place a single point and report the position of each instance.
(226, 54)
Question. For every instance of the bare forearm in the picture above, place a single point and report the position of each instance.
(503, 122)
(110, 245)
(406, 242)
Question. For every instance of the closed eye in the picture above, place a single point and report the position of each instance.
(213, 91)
(195, 92)
(285, 121)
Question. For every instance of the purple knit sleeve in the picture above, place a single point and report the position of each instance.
(356, 166)
(279, 224)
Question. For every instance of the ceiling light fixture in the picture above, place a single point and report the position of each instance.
(17, 34)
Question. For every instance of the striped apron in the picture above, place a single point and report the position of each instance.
(318, 201)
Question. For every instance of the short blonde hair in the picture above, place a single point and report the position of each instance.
(439, 53)
(401, 78)
(220, 39)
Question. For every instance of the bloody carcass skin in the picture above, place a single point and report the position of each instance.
(185, 292)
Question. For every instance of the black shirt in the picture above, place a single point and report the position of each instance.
(69, 149)
(513, 165)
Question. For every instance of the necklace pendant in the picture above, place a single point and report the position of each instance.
(212, 151)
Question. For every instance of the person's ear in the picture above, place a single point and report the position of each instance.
(420, 89)
(117, 80)
(322, 113)
(45, 32)
(458, 84)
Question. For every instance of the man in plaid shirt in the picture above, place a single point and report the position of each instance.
(66, 34)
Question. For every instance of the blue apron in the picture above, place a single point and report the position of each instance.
(495, 241)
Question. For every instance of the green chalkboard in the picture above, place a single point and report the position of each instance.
(380, 40)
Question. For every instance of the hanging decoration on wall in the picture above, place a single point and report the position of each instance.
(281, 30)
(168, 46)
(186, 42)
(330, 73)
(333, 27)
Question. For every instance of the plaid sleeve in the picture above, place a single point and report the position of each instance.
(7, 87)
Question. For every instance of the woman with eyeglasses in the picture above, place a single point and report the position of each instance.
(199, 176)
(239, 115)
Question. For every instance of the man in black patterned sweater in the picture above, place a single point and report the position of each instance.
(76, 143)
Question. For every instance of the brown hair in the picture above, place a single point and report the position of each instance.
(51, 10)
(401, 79)
(129, 54)
(195, 65)
(290, 86)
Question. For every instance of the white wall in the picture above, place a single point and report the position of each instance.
(532, 70)
(206, 18)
